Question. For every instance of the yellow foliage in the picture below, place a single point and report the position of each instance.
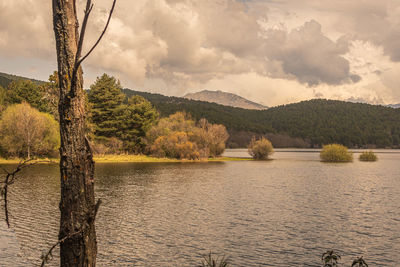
(368, 156)
(26, 132)
(335, 153)
(178, 137)
(260, 149)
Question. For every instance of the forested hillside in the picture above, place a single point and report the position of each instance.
(316, 122)
(6, 79)
(306, 124)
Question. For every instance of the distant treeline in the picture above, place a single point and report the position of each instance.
(306, 124)
(6, 79)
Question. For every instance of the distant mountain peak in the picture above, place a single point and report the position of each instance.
(394, 105)
(224, 98)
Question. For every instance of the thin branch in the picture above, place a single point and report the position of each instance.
(88, 9)
(96, 208)
(10, 179)
(48, 256)
(90, 216)
(78, 63)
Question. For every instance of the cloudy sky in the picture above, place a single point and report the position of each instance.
(270, 51)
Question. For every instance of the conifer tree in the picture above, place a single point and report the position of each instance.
(136, 118)
(106, 99)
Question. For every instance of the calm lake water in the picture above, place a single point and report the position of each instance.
(283, 212)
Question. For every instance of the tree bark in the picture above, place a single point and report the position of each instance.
(77, 203)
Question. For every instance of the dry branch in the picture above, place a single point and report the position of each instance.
(46, 257)
(10, 179)
(78, 59)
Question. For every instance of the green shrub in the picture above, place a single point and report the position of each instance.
(335, 153)
(368, 156)
(260, 149)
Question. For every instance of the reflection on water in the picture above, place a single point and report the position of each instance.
(277, 213)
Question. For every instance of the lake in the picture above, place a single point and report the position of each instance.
(282, 212)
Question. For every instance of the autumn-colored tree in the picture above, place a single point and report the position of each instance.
(260, 149)
(175, 145)
(26, 132)
(179, 121)
(216, 135)
(177, 136)
(171, 137)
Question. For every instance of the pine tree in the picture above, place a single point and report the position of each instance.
(106, 98)
(136, 118)
(51, 94)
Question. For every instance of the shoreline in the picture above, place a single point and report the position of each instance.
(131, 159)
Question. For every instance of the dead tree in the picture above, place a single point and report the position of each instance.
(77, 205)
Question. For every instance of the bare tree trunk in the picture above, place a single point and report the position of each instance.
(77, 203)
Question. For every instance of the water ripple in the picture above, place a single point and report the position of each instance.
(277, 213)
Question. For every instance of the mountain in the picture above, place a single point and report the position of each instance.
(309, 123)
(6, 79)
(224, 98)
(394, 105)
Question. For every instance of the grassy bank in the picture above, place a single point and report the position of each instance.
(130, 158)
(143, 158)
(18, 160)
